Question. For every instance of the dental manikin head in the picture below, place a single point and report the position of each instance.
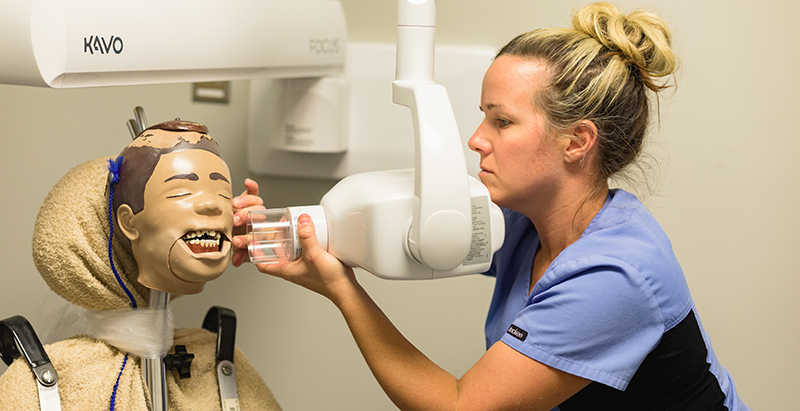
(172, 207)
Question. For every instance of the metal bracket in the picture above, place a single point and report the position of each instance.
(138, 124)
(17, 338)
(222, 321)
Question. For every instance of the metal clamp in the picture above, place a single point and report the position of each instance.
(222, 321)
(17, 338)
(181, 362)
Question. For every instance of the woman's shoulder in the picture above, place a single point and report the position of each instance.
(626, 239)
(625, 227)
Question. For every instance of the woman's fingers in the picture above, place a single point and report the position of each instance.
(249, 197)
(248, 201)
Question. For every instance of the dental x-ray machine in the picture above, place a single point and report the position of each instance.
(428, 222)
(432, 221)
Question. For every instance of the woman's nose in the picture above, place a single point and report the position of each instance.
(476, 143)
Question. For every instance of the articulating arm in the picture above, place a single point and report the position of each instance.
(441, 224)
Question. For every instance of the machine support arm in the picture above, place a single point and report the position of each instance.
(440, 232)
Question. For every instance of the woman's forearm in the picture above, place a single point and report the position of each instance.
(409, 378)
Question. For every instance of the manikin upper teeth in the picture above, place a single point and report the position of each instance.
(200, 233)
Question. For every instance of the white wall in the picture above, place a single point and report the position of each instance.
(728, 198)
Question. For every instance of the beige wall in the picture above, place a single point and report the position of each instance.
(728, 197)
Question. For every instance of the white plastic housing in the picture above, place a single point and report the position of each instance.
(85, 43)
(362, 221)
(314, 113)
(369, 216)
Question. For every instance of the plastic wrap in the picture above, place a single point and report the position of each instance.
(145, 332)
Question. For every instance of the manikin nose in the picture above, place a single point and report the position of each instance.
(208, 207)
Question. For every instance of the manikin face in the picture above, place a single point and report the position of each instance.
(519, 161)
(181, 238)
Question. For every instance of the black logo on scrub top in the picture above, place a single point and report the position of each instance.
(102, 45)
(517, 332)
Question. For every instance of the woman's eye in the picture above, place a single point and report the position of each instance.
(225, 196)
(179, 195)
(502, 122)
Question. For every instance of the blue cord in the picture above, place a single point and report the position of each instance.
(114, 167)
(116, 384)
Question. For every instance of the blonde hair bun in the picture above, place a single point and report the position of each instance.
(641, 36)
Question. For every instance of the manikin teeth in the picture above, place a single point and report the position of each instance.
(204, 243)
(203, 240)
(207, 234)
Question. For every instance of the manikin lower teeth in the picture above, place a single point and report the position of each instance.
(204, 243)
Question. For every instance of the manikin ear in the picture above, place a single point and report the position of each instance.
(125, 222)
(583, 140)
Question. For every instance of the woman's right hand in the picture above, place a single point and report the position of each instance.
(316, 270)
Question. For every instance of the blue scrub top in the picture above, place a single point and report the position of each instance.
(602, 305)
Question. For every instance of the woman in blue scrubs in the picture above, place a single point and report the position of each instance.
(591, 309)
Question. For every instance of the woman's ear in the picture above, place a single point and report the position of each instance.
(583, 139)
(125, 222)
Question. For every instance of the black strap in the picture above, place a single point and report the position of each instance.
(17, 338)
(222, 321)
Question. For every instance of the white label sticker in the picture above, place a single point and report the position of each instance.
(231, 404)
(481, 244)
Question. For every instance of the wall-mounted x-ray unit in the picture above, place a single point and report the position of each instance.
(87, 43)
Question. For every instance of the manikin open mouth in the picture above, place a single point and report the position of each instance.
(204, 241)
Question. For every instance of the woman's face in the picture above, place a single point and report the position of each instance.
(519, 162)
